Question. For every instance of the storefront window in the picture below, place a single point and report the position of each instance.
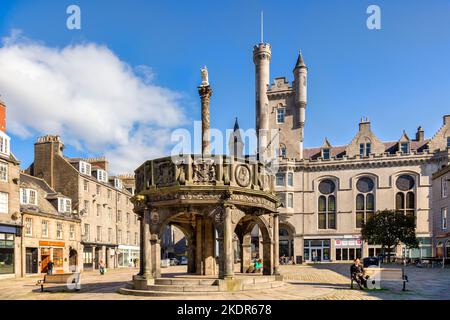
(6, 253)
(58, 259)
(317, 250)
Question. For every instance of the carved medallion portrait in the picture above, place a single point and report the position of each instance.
(154, 217)
(242, 174)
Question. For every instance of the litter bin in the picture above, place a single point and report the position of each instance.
(298, 260)
(370, 261)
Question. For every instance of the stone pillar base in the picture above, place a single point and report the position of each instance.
(142, 282)
(230, 285)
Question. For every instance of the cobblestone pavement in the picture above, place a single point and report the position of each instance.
(306, 282)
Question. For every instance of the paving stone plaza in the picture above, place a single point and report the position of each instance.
(307, 282)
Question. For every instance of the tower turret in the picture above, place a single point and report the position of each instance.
(301, 94)
(261, 58)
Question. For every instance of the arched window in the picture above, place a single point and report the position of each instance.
(327, 205)
(283, 233)
(365, 201)
(405, 199)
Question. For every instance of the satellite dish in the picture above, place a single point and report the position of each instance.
(82, 212)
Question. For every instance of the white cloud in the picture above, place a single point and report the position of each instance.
(86, 94)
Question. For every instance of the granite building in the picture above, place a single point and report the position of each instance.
(51, 229)
(109, 227)
(10, 222)
(327, 192)
(441, 214)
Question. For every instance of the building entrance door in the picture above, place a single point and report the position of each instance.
(45, 259)
(31, 260)
(316, 254)
(73, 260)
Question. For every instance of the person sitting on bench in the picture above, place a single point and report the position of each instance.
(357, 273)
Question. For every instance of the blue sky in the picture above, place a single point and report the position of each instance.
(397, 76)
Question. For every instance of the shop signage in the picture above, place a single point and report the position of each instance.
(51, 244)
(351, 243)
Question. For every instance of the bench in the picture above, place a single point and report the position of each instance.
(385, 274)
(71, 280)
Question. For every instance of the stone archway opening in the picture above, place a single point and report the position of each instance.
(247, 225)
(174, 244)
(286, 244)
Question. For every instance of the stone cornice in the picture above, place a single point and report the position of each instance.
(357, 162)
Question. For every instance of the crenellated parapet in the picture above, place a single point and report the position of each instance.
(194, 170)
(192, 178)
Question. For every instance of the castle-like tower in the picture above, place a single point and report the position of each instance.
(280, 107)
(261, 58)
(301, 96)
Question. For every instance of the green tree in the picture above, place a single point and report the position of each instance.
(389, 228)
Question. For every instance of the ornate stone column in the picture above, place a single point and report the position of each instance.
(205, 93)
(209, 248)
(246, 250)
(191, 253)
(155, 244)
(145, 266)
(199, 245)
(276, 244)
(228, 242)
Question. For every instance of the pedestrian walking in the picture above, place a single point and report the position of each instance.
(101, 267)
(50, 267)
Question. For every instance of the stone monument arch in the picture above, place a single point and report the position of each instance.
(210, 198)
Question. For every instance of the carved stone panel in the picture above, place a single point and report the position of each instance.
(243, 175)
(165, 173)
(204, 171)
(154, 217)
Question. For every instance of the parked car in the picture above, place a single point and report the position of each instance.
(183, 261)
(174, 262)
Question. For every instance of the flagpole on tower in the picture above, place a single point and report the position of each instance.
(262, 26)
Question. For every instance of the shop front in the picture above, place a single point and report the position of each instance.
(7, 237)
(51, 251)
(127, 256)
(317, 250)
(423, 251)
(348, 248)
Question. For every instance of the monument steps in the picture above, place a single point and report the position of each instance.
(185, 281)
(195, 286)
(150, 293)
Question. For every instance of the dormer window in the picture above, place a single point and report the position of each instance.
(365, 149)
(101, 175)
(84, 168)
(4, 144)
(326, 153)
(64, 205)
(118, 184)
(28, 196)
(281, 112)
(404, 147)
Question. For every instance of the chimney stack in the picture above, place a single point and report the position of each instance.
(447, 119)
(420, 134)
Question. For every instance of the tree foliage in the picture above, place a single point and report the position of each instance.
(389, 228)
